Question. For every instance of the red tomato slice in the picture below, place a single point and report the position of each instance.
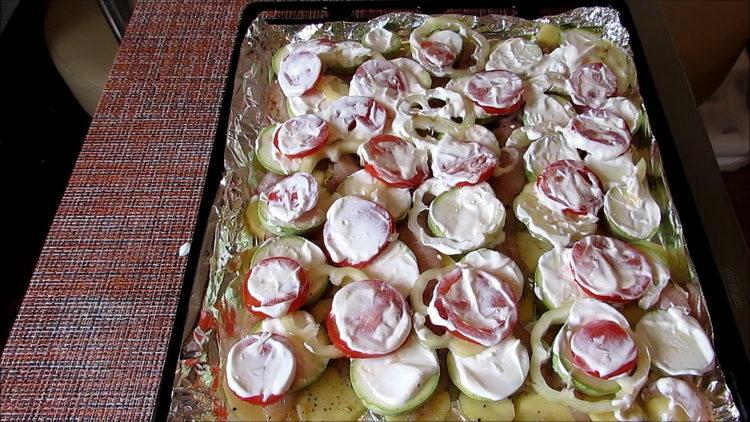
(365, 303)
(610, 270)
(591, 84)
(275, 347)
(601, 133)
(475, 165)
(385, 158)
(356, 231)
(301, 136)
(437, 53)
(298, 73)
(475, 305)
(376, 75)
(603, 349)
(498, 92)
(359, 118)
(291, 197)
(282, 279)
(569, 186)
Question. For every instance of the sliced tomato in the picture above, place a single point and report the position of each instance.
(274, 348)
(591, 84)
(358, 118)
(602, 133)
(570, 186)
(498, 92)
(376, 75)
(475, 305)
(301, 136)
(610, 270)
(356, 231)
(290, 198)
(364, 305)
(299, 72)
(394, 161)
(475, 165)
(270, 274)
(603, 349)
(437, 53)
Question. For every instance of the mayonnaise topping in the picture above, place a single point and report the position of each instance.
(466, 214)
(394, 379)
(355, 118)
(455, 162)
(260, 365)
(380, 80)
(559, 229)
(542, 109)
(367, 320)
(588, 309)
(683, 395)
(311, 102)
(565, 186)
(677, 343)
(612, 172)
(632, 210)
(307, 254)
(272, 281)
(416, 77)
(495, 373)
(402, 156)
(397, 266)
(603, 354)
(498, 264)
(626, 110)
(451, 39)
(291, 197)
(545, 151)
(601, 133)
(356, 230)
(514, 54)
(396, 200)
(380, 39)
(459, 85)
(555, 284)
(346, 54)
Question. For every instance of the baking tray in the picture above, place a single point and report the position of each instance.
(694, 181)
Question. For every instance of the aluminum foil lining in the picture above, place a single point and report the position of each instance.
(217, 318)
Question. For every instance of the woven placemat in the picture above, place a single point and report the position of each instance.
(92, 333)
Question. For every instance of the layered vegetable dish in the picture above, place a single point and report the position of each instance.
(461, 227)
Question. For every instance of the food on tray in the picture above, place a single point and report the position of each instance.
(479, 237)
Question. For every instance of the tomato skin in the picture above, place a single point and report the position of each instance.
(502, 111)
(373, 147)
(299, 300)
(594, 201)
(611, 332)
(258, 400)
(482, 91)
(335, 337)
(320, 142)
(469, 170)
(463, 329)
(437, 53)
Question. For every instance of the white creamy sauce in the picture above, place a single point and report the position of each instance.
(549, 83)
(448, 153)
(452, 39)
(397, 266)
(290, 198)
(557, 285)
(270, 282)
(591, 85)
(683, 395)
(632, 209)
(304, 325)
(481, 135)
(297, 134)
(481, 312)
(394, 379)
(312, 102)
(403, 157)
(625, 109)
(468, 213)
(355, 304)
(545, 151)
(588, 310)
(602, 354)
(380, 39)
(260, 365)
(612, 172)
(557, 228)
(569, 189)
(496, 372)
(396, 200)
(677, 343)
(346, 54)
(609, 129)
(355, 231)
(454, 107)
(307, 254)
(661, 277)
(516, 55)
(542, 109)
(298, 73)
(416, 77)
(355, 118)
(459, 85)
(498, 264)
(380, 80)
